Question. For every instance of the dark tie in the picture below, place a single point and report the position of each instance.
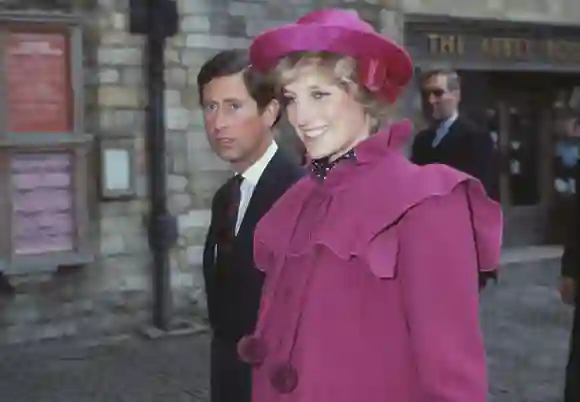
(229, 229)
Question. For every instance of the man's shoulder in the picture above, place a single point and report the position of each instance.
(467, 125)
(422, 135)
(286, 167)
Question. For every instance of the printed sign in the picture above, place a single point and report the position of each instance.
(37, 74)
(42, 202)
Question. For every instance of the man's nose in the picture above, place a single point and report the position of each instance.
(221, 120)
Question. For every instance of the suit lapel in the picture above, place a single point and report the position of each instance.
(451, 134)
(267, 191)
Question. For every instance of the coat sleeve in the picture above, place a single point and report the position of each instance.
(416, 148)
(438, 272)
(479, 158)
(571, 256)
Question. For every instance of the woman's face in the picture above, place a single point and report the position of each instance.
(328, 119)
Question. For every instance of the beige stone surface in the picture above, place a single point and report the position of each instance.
(120, 97)
(547, 11)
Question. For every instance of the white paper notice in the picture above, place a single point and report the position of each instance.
(117, 170)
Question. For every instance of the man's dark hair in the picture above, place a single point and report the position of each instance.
(231, 62)
(453, 79)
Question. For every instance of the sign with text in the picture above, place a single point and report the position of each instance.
(493, 46)
(38, 82)
(42, 199)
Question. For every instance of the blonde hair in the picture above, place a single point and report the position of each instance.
(341, 69)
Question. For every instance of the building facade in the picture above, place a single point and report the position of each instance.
(73, 181)
(520, 65)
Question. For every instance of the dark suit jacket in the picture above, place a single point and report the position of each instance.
(233, 284)
(571, 256)
(465, 148)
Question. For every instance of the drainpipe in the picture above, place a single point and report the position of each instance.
(157, 20)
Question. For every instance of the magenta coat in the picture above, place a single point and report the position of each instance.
(371, 289)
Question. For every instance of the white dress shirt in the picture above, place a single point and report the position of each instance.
(250, 179)
(443, 129)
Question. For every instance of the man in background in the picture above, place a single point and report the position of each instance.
(451, 139)
(570, 293)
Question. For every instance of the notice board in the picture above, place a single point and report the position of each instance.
(38, 82)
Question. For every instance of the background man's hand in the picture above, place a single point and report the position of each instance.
(568, 289)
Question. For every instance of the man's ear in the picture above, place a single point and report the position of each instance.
(457, 94)
(270, 113)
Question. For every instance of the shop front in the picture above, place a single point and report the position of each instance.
(516, 81)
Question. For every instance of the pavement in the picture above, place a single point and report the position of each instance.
(526, 330)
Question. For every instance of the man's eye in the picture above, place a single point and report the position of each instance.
(235, 106)
(210, 107)
(288, 99)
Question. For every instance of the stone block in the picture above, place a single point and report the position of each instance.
(195, 255)
(120, 121)
(246, 9)
(193, 59)
(195, 23)
(172, 98)
(120, 56)
(232, 27)
(177, 41)
(179, 203)
(119, 21)
(194, 6)
(255, 27)
(216, 42)
(112, 245)
(181, 280)
(176, 183)
(195, 218)
(108, 76)
(120, 38)
(194, 236)
(177, 118)
(132, 76)
(171, 56)
(118, 96)
(176, 77)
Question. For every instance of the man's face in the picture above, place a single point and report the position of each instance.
(441, 103)
(236, 130)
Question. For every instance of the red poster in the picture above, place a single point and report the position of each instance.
(37, 74)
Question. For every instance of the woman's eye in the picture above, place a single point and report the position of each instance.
(319, 95)
(235, 106)
(288, 99)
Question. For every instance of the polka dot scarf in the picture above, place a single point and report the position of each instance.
(322, 167)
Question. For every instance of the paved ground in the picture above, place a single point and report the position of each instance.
(526, 329)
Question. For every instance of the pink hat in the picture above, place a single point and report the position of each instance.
(385, 68)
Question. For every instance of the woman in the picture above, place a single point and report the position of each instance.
(371, 262)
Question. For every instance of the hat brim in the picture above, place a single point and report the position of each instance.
(269, 47)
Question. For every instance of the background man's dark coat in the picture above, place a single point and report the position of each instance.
(465, 148)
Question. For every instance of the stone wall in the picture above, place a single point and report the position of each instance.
(544, 11)
(113, 294)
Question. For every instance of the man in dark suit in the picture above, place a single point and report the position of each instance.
(451, 139)
(239, 109)
(570, 293)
